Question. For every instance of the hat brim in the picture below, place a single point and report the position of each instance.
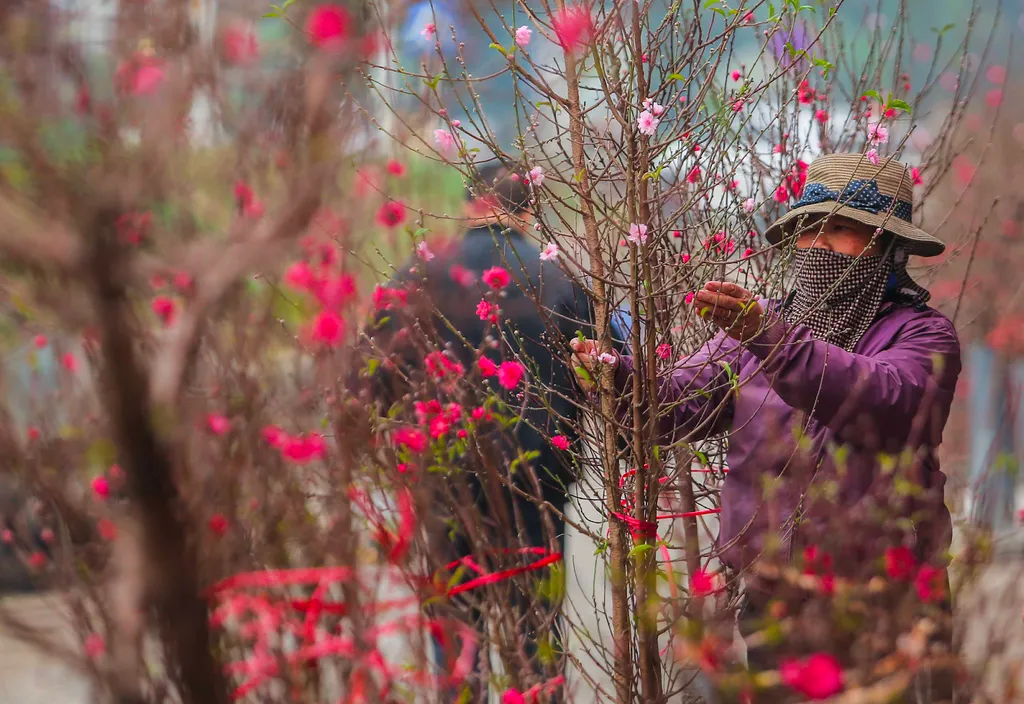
(915, 240)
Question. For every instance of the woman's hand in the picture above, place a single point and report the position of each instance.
(586, 358)
(731, 307)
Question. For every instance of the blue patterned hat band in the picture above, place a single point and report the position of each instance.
(862, 194)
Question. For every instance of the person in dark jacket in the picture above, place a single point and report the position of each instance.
(851, 368)
(443, 289)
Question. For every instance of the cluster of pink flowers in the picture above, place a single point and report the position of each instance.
(486, 310)
(721, 243)
(245, 199)
(439, 420)
(442, 367)
(317, 276)
(650, 117)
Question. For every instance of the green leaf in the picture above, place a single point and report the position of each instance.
(899, 105)
(675, 77)
(432, 83)
(583, 374)
(420, 232)
(944, 29)
(639, 549)
(499, 47)
(709, 3)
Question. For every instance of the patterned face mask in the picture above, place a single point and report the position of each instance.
(837, 295)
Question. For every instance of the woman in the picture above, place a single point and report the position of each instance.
(819, 390)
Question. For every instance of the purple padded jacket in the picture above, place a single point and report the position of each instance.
(784, 395)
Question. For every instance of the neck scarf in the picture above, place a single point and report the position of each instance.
(838, 296)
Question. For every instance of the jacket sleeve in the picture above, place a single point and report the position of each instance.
(886, 402)
(695, 398)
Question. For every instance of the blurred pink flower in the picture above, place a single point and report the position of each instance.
(218, 424)
(573, 27)
(328, 25)
(444, 140)
(101, 488)
(561, 442)
(328, 328)
(239, 45)
(818, 677)
(428, 31)
(391, 214)
(423, 250)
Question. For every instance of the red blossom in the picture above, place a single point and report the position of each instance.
(412, 439)
(486, 310)
(239, 45)
(818, 677)
(560, 441)
(37, 560)
(497, 278)
(391, 214)
(107, 529)
(694, 175)
(513, 696)
(396, 168)
(328, 328)
(510, 374)
(328, 25)
(94, 646)
(781, 194)
(385, 298)
(40, 341)
(303, 448)
(441, 366)
(487, 367)
(218, 524)
(664, 350)
(899, 562)
(140, 75)
(101, 488)
(164, 308)
(930, 584)
(218, 424)
(273, 435)
(702, 583)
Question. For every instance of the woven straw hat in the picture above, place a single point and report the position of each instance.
(880, 195)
